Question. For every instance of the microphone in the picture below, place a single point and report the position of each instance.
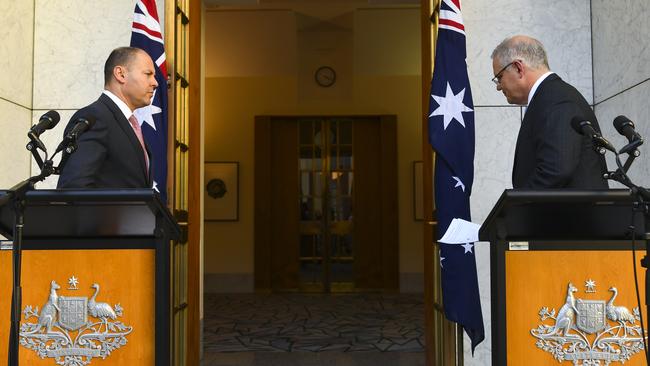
(46, 122)
(81, 125)
(626, 128)
(584, 127)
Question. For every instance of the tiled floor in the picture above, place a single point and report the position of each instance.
(300, 329)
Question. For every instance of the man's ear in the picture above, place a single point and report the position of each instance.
(119, 73)
(519, 66)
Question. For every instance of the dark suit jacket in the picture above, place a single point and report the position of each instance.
(109, 155)
(549, 153)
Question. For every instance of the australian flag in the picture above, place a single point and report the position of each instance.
(146, 34)
(451, 134)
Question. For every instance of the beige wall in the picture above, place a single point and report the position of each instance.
(262, 63)
(16, 59)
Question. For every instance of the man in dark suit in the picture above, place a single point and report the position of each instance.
(549, 153)
(112, 154)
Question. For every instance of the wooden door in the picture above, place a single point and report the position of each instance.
(325, 204)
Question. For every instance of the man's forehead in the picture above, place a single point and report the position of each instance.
(143, 58)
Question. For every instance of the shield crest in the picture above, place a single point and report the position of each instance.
(591, 315)
(74, 312)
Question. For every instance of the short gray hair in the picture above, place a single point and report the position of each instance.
(527, 49)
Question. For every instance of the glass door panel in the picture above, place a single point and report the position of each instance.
(326, 209)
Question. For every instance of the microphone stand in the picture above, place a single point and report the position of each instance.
(17, 194)
(641, 204)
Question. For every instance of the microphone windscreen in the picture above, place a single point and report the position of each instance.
(577, 122)
(91, 121)
(53, 116)
(620, 122)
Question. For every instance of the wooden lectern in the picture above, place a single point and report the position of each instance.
(95, 278)
(562, 277)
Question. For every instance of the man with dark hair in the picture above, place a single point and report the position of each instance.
(112, 154)
(549, 153)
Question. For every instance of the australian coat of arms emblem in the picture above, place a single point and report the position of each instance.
(589, 332)
(73, 330)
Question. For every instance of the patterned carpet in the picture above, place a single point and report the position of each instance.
(307, 323)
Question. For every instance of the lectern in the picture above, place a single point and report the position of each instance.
(562, 277)
(95, 278)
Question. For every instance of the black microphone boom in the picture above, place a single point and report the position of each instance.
(626, 128)
(584, 127)
(81, 125)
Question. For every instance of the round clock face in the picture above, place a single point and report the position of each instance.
(325, 76)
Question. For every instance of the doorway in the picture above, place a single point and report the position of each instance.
(326, 204)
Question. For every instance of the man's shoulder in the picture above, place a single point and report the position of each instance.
(553, 83)
(554, 89)
(100, 108)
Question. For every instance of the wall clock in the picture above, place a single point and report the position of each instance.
(325, 76)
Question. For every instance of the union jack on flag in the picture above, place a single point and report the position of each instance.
(146, 34)
(451, 134)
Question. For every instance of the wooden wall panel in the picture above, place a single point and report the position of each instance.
(389, 209)
(285, 207)
(262, 214)
(367, 204)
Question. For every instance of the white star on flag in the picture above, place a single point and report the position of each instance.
(459, 183)
(468, 247)
(451, 107)
(155, 186)
(145, 114)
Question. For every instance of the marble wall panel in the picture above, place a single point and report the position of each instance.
(496, 135)
(71, 46)
(563, 26)
(14, 124)
(620, 39)
(16, 51)
(634, 105)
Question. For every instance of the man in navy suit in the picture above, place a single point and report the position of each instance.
(549, 153)
(112, 154)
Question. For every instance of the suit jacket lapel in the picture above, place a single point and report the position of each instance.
(125, 125)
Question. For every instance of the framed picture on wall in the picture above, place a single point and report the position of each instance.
(221, 186)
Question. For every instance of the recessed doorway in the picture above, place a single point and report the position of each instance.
(326, 204)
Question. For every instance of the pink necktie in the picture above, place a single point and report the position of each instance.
(138, 132)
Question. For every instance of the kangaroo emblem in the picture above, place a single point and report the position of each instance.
(48, 313)
(566, 315)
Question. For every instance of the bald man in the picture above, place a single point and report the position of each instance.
(549, 153)
(112, 154)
